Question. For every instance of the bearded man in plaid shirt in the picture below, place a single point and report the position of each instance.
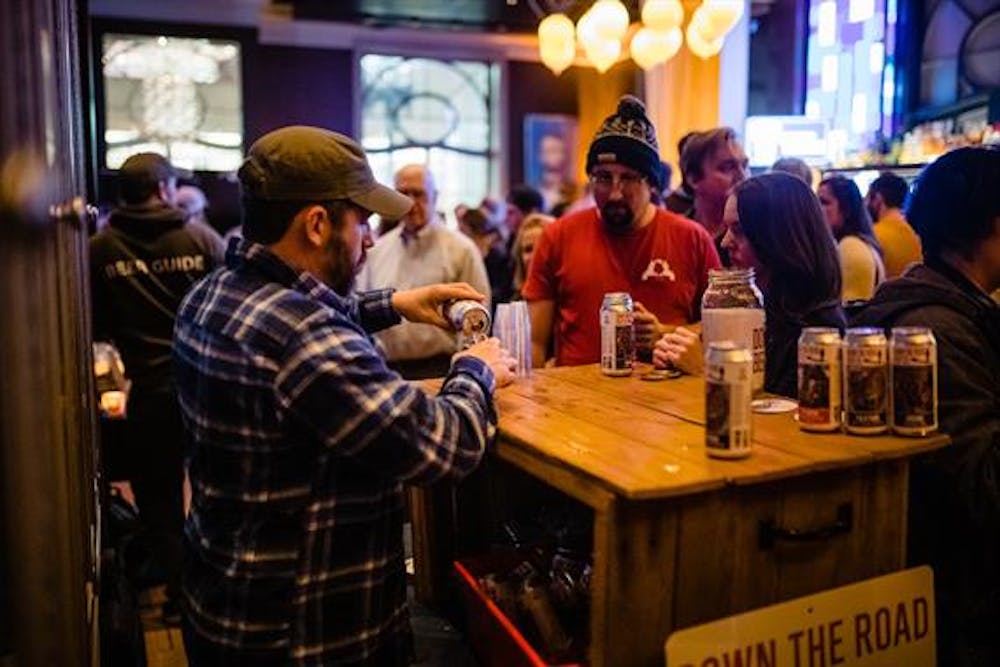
(299, 435)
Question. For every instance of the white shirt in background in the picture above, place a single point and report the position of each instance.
(435, 254)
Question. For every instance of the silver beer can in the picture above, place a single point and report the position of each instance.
(617, 334)
(728, 397)
(470, 320)
(820, 396)
(913, 362)
(866, 381)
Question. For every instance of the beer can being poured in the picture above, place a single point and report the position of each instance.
(470, 320)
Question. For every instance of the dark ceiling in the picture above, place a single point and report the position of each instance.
(477, 15)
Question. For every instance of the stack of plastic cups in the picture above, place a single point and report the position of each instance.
(512, 326)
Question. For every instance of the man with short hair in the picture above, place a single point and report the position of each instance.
(900, 244)
(142, 264)
(623, 244)
(301, 437)
(191, 199)
(713, 163)
(796, 167)
(421, 251)
(954, 512)
(680, 200)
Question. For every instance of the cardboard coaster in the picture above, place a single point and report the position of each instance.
(658, 374)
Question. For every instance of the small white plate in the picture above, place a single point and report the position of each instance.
(771, 406)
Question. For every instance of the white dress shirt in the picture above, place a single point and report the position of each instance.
(434, 254)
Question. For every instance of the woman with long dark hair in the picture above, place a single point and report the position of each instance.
(775, 226)
(861, 265)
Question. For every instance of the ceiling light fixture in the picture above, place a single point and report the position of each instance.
(603, 27)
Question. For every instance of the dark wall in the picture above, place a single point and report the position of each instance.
(286, 85)
(533, 89)
(778, 59)
(282, 85)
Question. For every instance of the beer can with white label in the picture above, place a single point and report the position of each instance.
(913, 361)
(866, 381)
(617, 334)
(728, 395)
(470, 320)
(820, 397)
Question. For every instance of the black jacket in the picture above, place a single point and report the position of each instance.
(141, 266)
(955, 493)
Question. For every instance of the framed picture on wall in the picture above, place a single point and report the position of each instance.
(550, 155)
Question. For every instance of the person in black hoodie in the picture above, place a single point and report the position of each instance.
(954, 513)
(774, 225)
(142, 264)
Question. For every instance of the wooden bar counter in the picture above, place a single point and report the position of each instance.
(680, 538)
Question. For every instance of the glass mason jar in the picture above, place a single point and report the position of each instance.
(732, 308)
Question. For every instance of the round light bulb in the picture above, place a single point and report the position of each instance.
(603, 54)
(722, 15)
(610, 19)
(662, 15)
(698, 45)
(653, 47)
(556, 44)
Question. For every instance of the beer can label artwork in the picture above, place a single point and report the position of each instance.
(470, 320)
(728, 397)
(820, 401)
(617, 334)
(913, 359)
(866, 371)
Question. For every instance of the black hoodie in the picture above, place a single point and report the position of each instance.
(955, 493)
(141, 266)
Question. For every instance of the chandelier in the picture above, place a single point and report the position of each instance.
(603, 29)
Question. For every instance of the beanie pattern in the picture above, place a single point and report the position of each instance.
(628, 137)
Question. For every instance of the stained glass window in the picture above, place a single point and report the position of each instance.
(180, 97)
(441, 113)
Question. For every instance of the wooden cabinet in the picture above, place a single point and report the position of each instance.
(680, 538)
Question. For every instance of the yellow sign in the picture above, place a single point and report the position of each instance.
(882, 622)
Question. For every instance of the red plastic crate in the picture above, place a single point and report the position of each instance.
(495, 639)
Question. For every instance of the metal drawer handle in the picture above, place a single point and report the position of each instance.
(770, 533)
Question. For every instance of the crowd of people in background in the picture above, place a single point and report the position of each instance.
(283, 320)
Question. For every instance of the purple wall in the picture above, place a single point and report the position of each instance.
(286, 85)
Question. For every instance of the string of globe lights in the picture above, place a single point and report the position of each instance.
(603, 28)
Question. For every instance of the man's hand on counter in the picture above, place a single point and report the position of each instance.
(504, 366)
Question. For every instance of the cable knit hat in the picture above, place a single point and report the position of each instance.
(628, 137)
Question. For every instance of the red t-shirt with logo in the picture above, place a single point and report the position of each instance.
(664, 265)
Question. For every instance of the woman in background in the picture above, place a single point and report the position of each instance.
(524, 247)
(861, 264)
(774, 225)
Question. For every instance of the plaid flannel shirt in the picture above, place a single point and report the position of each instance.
(299, 439)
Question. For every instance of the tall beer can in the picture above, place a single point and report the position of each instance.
(728, 395)
(866, 381)
(913, 361)
(617, 334)
(820, 396)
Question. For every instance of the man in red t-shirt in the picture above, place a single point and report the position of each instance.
(624, 244)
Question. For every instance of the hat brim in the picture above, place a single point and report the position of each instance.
(385, 201)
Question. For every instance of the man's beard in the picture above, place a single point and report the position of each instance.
(341, 271)
(617, 217)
